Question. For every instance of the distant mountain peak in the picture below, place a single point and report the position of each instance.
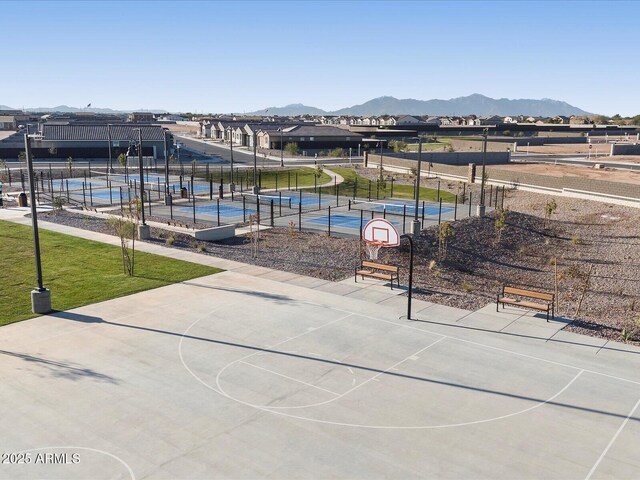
(475, 103)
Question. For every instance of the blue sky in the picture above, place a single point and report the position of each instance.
(243, 56)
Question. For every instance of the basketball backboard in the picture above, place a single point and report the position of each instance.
(381, 231)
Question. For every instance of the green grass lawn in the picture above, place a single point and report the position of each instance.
(77, 271)
(283, 177)
(399, 191)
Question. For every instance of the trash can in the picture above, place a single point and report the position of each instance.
(220, 192)
(22, 200)
(184, 193)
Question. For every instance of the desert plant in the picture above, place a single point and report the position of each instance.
(170, 240)
(549, 209)
(500, 222)
(337, 152)
(201, 247)
(58, 202)
(292, 228)
(445, 233)
(318, 170)
(467, 287)
(70, 165)
(576, 240)
(126, 231)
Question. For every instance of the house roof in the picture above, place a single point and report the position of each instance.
(82, 132)
(320, 131)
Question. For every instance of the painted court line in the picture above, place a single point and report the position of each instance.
(341, 395)
(499, 349)
(288, 377)
(611, 442)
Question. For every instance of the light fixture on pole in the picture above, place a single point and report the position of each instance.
(40, 296)
(481, 208)
(416, 225)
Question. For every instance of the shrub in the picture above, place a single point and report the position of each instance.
(170, 240)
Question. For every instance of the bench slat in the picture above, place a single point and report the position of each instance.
(380, 266)
(383, 276)
(536, 306)
(529, 293)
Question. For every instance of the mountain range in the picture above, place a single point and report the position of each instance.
(473, 104)
(67, 109)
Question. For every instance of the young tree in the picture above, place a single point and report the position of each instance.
(122, 159)
(126, 229)
(501, 222)
(70, 165)
(292, 149)
(549, 209)
(445, 233)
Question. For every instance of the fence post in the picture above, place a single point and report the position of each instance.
(149, 198)
(404, 217)
(455, 210)
(119, 191)
(193, 201)
(335, 184)
(210, 187)
(271, 220)
(438, 189)
(244, 209)
(329, 221)
(439, 211)
(361, 219)
(319, 199)
(84, 199)
(490, 194)
(423, 208)
(502, 201)
(470, 192)
(299, 215)
(218, 209)
(279, 204)
(171, 209)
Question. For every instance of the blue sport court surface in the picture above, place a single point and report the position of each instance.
(398, 209)
(225, 210)
(295, 200)
(345, 221)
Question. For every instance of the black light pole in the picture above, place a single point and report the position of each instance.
(281, 148)
(415, 225)
(232, 186)
(408, 237)
(40, 297)
(144, 232)
(256, 188)
(167, 195)
(481, 207)
(110, 156)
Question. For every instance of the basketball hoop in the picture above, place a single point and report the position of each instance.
(373, 247)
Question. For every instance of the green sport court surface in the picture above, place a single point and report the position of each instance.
(237, 376)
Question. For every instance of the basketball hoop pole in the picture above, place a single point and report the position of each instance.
(410, 274)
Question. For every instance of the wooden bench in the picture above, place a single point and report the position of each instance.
(520, 293)
(377, 270)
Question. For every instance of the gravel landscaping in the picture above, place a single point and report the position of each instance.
(580, 234)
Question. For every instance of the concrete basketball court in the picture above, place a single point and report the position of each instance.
(237, 376)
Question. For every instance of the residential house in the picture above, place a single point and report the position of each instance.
(309, 137)
(408, 120)
(141, 117)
